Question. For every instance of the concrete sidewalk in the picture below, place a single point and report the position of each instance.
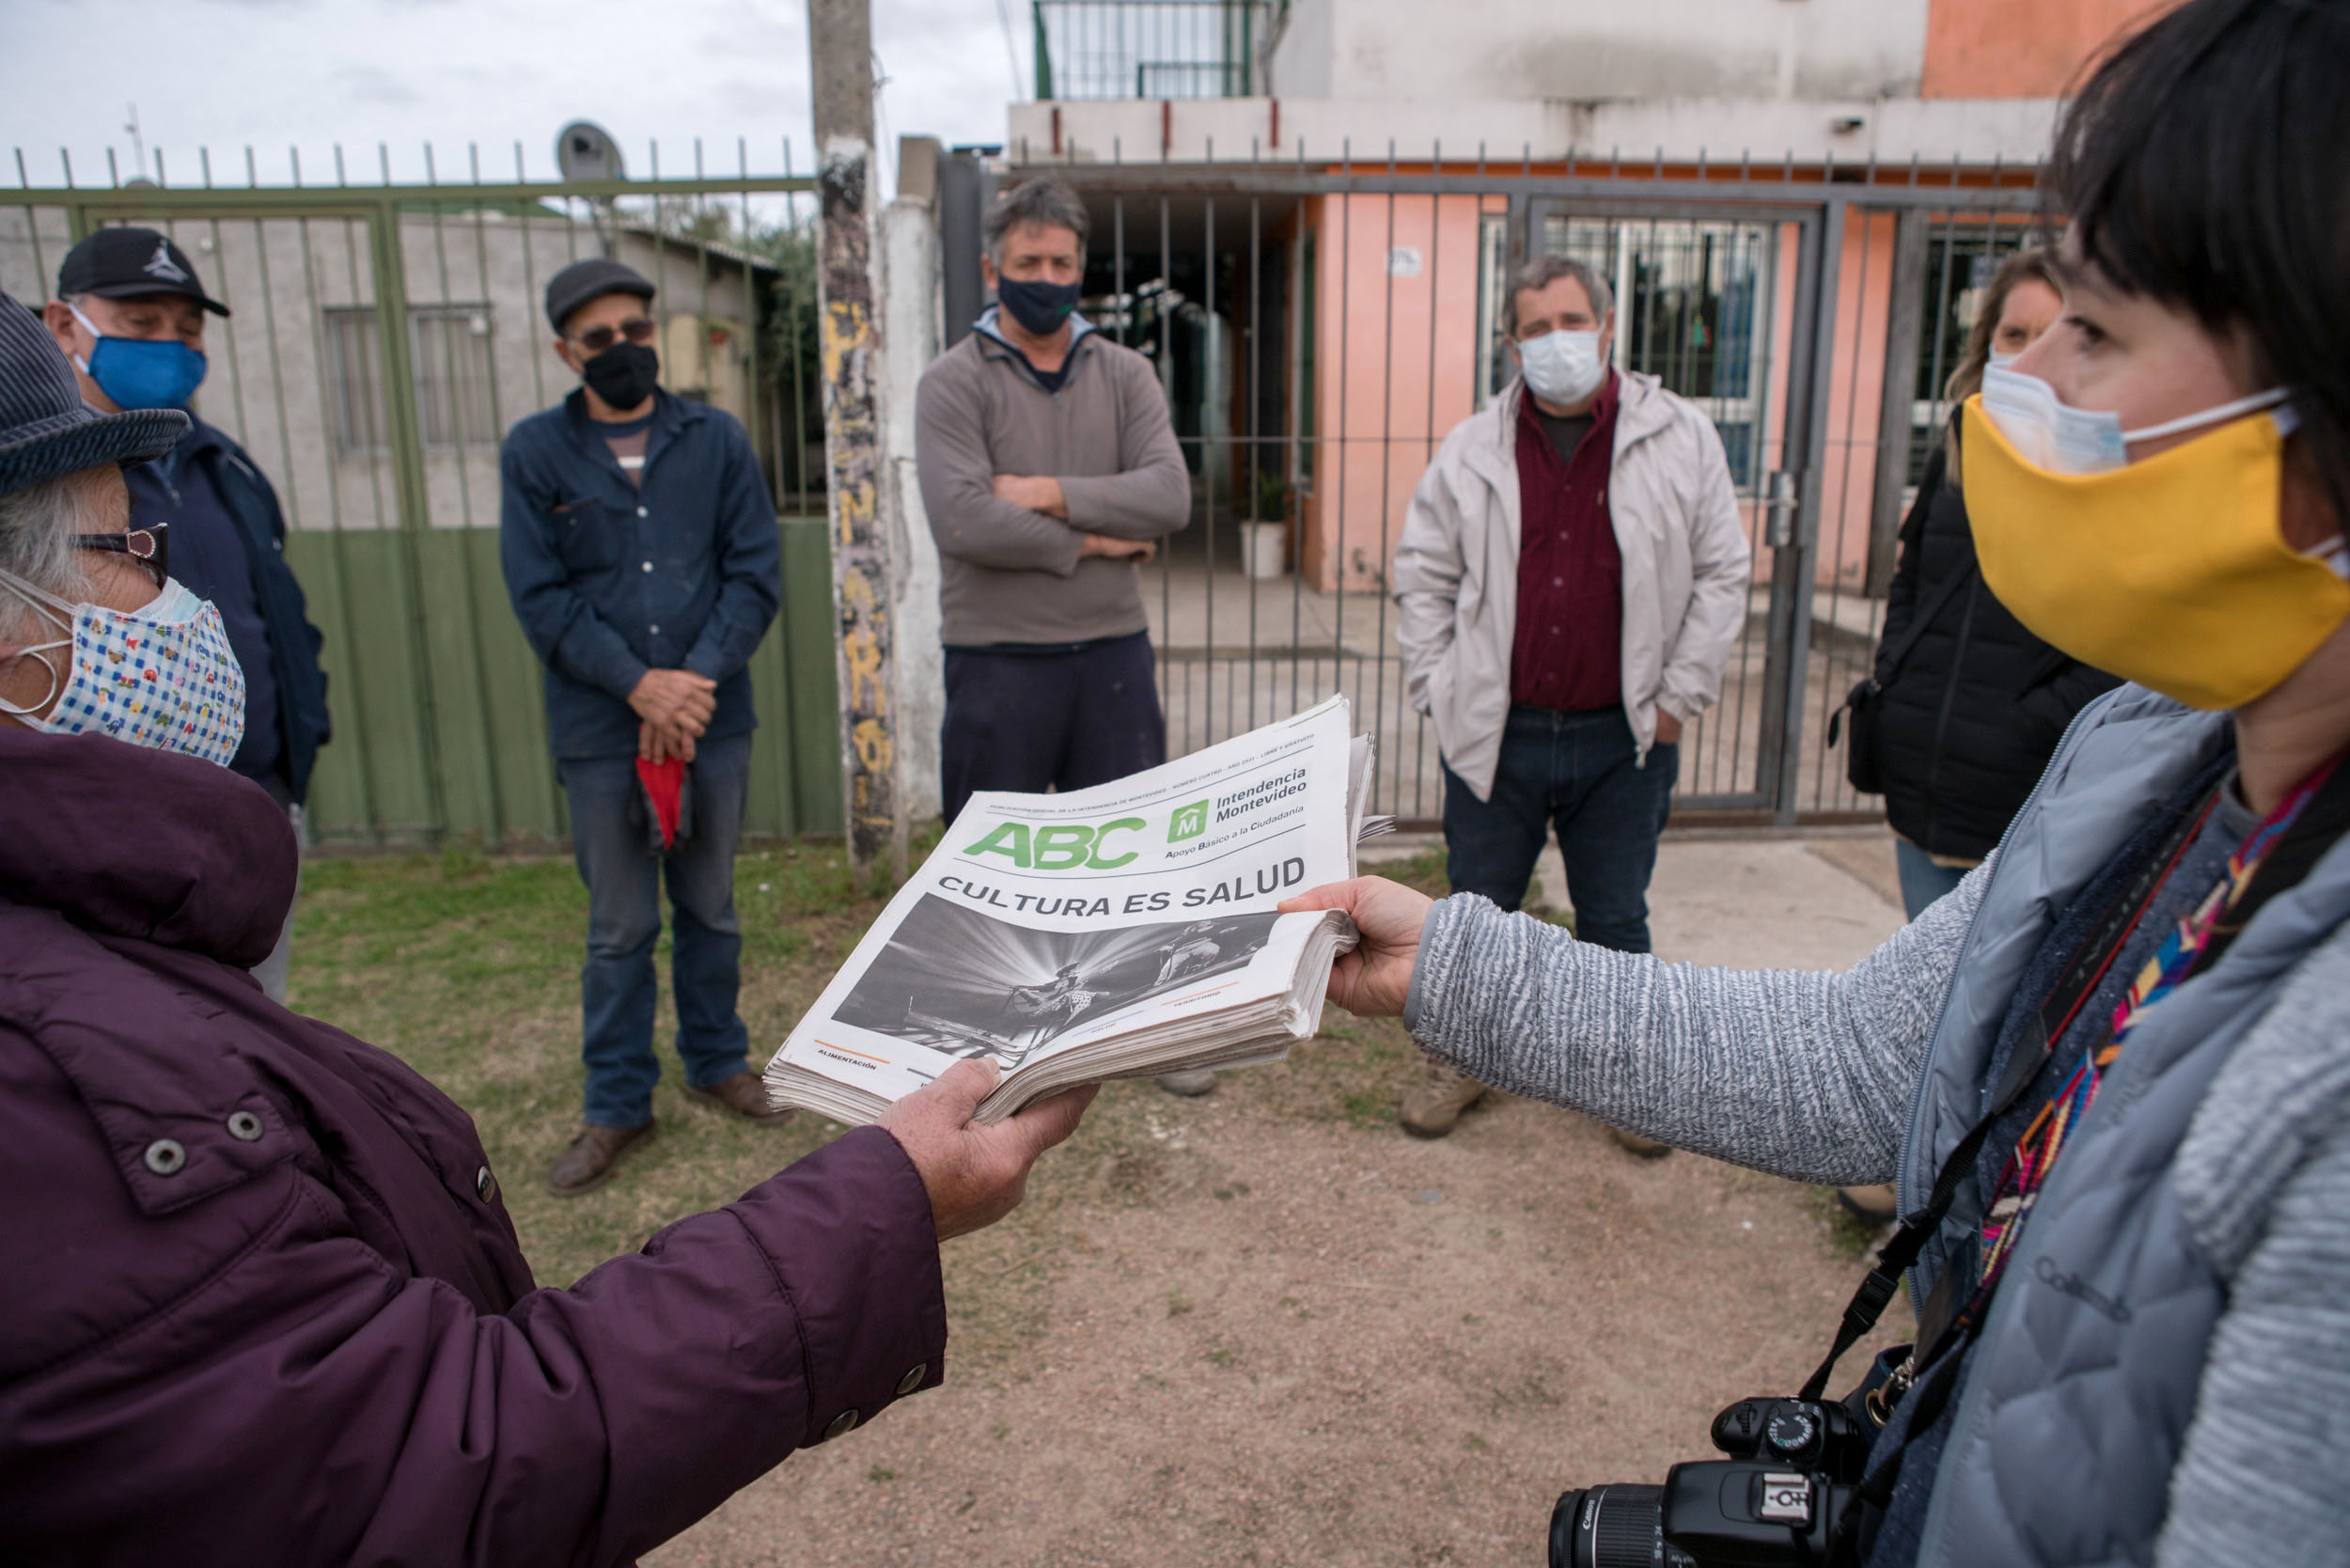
(1818, 900)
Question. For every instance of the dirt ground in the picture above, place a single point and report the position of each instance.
(1266, 1327)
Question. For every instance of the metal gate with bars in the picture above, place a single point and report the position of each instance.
(1320, 327)
(385, 336)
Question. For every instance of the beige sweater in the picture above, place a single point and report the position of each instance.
(1685, 568)
(1011, 576)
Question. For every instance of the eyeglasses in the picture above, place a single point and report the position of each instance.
(149, 546)
(636, 329)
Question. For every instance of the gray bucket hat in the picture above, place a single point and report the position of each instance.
(46, 430)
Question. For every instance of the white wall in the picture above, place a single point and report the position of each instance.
(1893, 130)
(909, 288)
(1600, 49)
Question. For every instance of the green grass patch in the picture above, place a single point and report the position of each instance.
(466, 966)
(1847, 1232)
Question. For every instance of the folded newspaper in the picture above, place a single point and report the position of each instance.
(1111, 933)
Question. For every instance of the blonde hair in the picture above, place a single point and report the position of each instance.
(2025, 266)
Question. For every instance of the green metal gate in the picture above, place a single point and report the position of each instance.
(385, 337)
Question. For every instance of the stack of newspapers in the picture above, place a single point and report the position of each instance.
(1118, 932)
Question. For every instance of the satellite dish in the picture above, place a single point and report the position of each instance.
(585, 150)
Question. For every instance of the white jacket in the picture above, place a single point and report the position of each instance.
(1685, 568)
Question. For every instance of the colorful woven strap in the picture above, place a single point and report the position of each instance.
(2044, 1140)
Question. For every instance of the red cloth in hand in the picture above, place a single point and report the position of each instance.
(664, 782)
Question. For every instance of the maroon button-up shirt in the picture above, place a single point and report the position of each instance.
(1567, 653)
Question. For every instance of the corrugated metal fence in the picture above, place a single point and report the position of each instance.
(384, 337)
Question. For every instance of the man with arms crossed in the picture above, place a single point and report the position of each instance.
(640, 550)
(1571, 574)
(1049, 469)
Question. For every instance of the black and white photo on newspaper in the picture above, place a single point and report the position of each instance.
(1113, 932)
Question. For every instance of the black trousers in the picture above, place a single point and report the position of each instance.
(1056, 717)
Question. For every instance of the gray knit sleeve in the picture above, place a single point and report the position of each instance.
(1801, 1075)
(2264, 1181)
(2259, 1483)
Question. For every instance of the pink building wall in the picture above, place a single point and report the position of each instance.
(1387, 389)
(1395, 361)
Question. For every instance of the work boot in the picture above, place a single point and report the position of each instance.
(743, 1094)
(1189, 1085)
(1873, 1205)
(1647, 1147)
(592, 1158)
(1433, 1107)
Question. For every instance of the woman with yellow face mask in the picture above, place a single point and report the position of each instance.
(2110, 1073)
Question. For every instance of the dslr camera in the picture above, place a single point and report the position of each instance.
(1782, 1497)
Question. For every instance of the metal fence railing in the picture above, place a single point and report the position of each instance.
(1155, 49)
(384, 337)
(1319, 328)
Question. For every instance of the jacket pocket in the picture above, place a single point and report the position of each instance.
(589, 536)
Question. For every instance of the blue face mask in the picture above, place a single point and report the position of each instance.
(141, 372)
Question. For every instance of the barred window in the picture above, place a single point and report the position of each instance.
(449, 352)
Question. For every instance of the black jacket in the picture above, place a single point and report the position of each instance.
(1969, 721)
(610, 579)
(294, 644)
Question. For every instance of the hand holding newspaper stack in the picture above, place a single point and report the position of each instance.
(1116, 931)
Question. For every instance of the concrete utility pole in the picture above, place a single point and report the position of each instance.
(840, 57)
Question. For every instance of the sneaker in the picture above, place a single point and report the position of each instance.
(745, 1095)
(592, 1158)
(1189, 1085)
(1433, 1107)
(1647, 1147)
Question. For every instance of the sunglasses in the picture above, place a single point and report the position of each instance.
(636, 329)
(149, 546)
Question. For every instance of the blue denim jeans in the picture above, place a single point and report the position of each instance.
(1576, 774)
(1922, 881)
(617, 988)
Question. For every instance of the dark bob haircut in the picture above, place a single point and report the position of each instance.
(2206, 165)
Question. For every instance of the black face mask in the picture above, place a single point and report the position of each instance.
(1041, 307)
(623, 375)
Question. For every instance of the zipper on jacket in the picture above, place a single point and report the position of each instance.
(1950, 700)
(1906, 1196)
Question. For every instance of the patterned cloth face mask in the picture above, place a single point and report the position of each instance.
(162, 677)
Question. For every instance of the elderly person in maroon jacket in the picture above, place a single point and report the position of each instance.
(263, 1302)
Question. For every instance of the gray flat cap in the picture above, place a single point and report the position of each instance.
(591, 279)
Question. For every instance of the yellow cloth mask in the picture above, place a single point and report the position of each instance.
(2171, 571)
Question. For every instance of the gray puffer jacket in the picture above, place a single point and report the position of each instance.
(2165, 1375)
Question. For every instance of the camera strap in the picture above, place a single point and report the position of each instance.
(2311, 832)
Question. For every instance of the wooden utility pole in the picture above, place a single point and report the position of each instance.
(840, 56)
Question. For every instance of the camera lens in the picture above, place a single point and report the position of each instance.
(1620, 1526)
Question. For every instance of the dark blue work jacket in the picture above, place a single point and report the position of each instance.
(612, 579)
(214, 473)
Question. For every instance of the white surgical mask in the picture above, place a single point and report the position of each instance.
(161, 677)
(2051, 434)
(1562, 366)
(2002, 361)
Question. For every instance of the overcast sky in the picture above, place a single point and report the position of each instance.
(275, 73)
